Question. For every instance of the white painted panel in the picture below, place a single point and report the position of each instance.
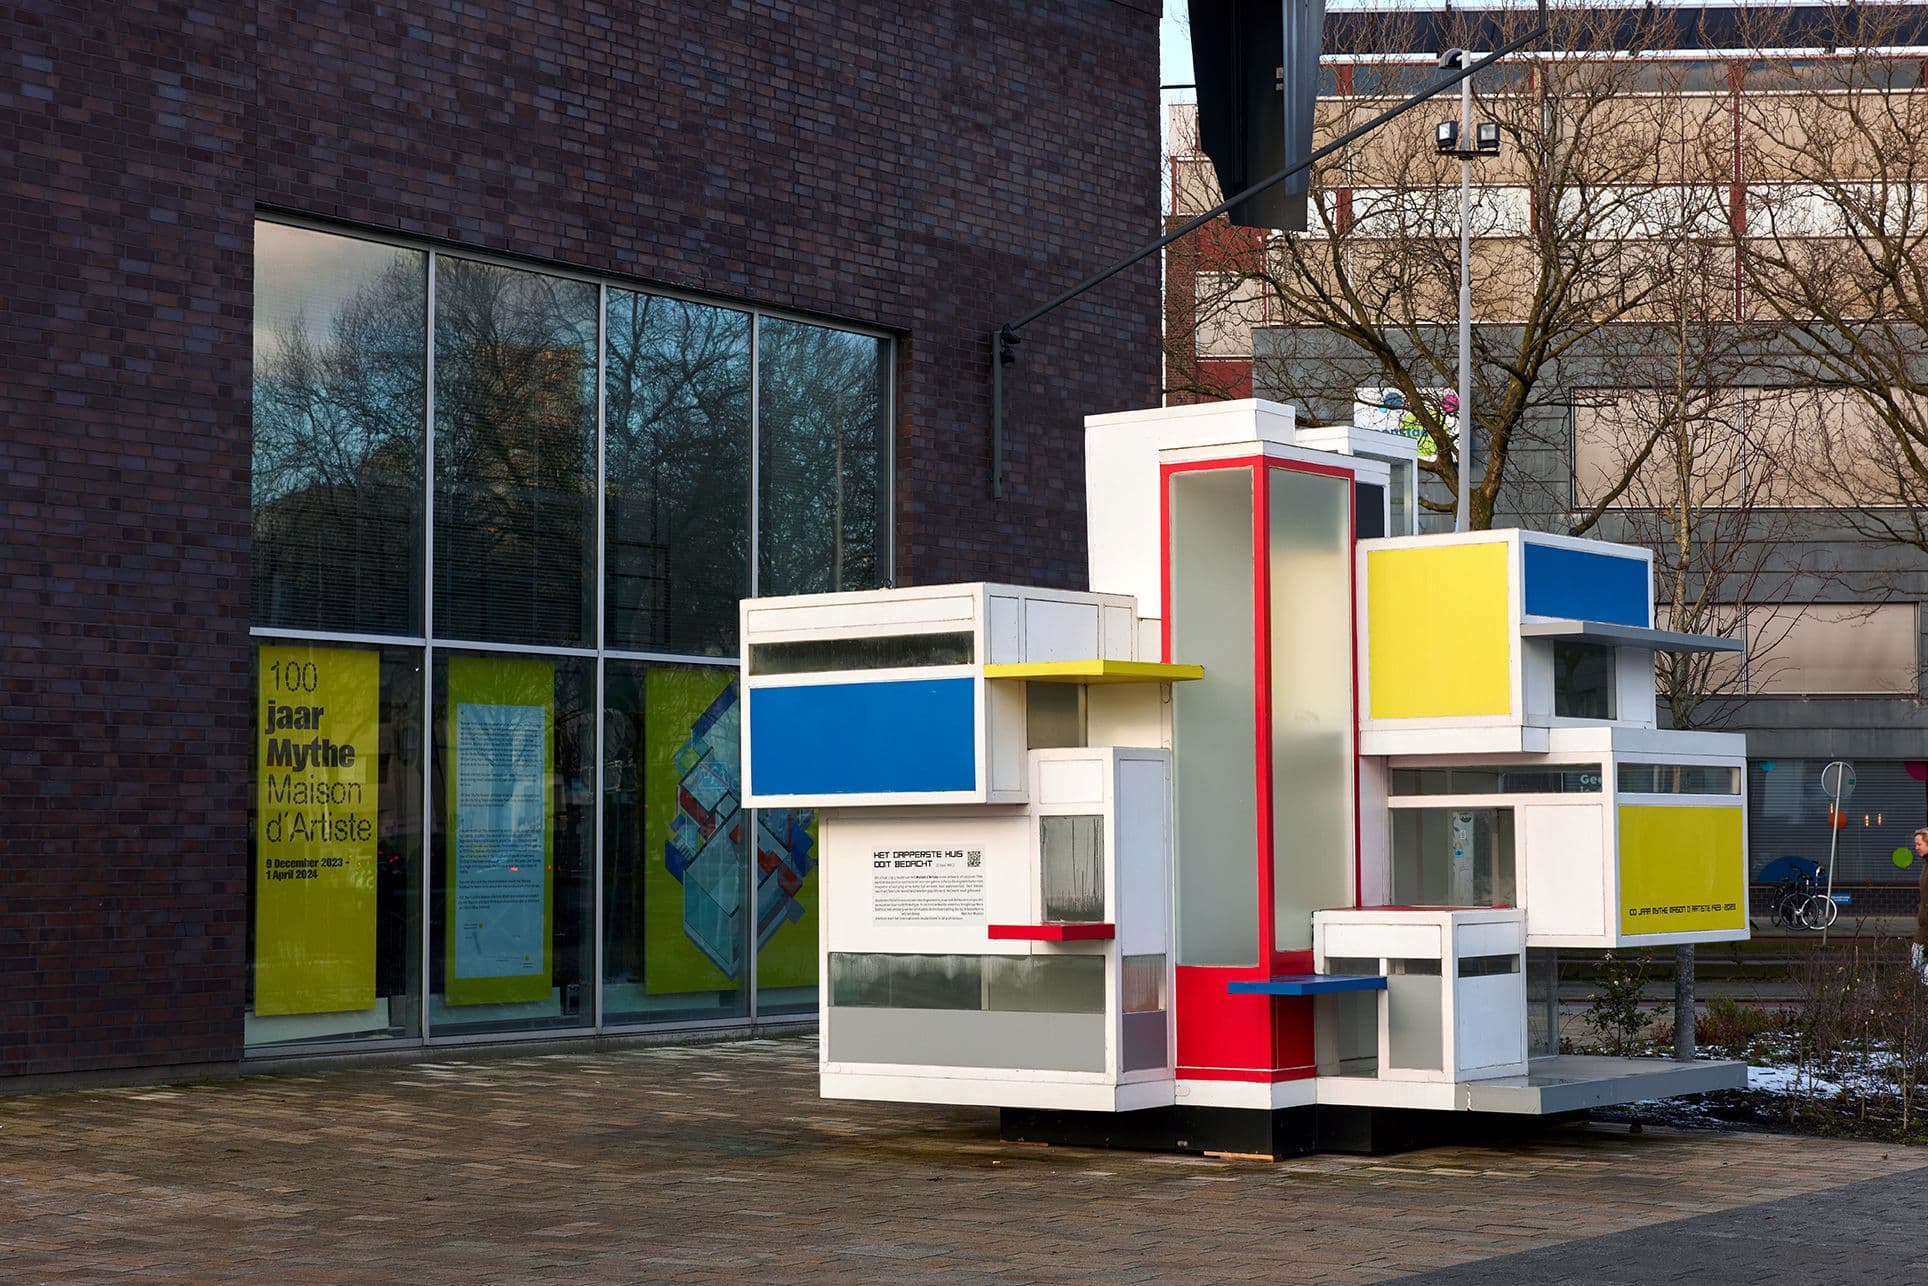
(1151, 638)
(1122, 510)
(1005, 644)
(1063, 1091)
(1005, 741)
(762, 622)
(1071, 781)
(1056, 631)
(1490, 1022)
(850, 918)
(1487, 939)
(1121, 642)
(1256, 1094)
(1562, 858)
(1634, 687)
(1139, 846)
(1395, 941)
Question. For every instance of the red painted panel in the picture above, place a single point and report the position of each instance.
(1052, 932)
(1217, 1030)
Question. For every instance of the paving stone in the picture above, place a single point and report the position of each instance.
(720, 1163)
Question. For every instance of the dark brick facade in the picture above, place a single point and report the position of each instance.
(929, 167)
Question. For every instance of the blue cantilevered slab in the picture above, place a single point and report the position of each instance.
(1307, 984)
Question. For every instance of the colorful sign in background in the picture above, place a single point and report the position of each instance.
(319, 717)
(501, 849)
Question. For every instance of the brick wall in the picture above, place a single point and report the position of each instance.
(124, 287)
(929, 166)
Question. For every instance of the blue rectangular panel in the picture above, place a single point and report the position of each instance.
(863, 738)
(1307, 984)
(1579, 586)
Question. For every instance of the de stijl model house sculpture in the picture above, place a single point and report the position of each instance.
(1262, 844)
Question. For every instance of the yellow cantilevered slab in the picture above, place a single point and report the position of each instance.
(1096, 672)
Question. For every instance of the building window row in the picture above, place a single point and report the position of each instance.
(733, 452)
(502, 522)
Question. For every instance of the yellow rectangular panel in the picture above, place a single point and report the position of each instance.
(1441, 635)
(1681, 870)
(1096, 671)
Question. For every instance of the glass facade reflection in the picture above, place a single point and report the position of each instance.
(340, 360)
(502, 522)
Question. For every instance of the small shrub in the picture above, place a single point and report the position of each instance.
(1616, 1014)
(1730, 1024)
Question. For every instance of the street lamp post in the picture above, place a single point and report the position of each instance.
(1463, 510)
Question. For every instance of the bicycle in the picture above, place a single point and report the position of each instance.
(1802, 903)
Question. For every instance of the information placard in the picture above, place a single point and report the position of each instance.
(927, 886)
(501, 832)
(315, 828)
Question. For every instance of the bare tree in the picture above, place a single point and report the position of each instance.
(1833, 238)
(1597, 148)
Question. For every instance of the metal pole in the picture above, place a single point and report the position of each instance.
(1684, 1002)
(1834, 841)
(1463, 448)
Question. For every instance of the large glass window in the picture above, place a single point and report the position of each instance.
(339, 360)
(1788, 816)
(334, 868)
(676, 474)
(515, 455)
(823, 418)
(393, 897)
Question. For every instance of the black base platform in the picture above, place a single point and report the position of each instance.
(1285, 1132)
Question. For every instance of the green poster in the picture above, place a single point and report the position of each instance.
(699, 908)
(320, 709)
(501, 845)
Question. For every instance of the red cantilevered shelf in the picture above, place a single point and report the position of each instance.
(1060, 932)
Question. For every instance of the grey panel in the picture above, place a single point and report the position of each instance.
(1569, 1083)
(959, 1038)
(1143, 1047)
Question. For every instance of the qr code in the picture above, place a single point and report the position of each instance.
(974, 859)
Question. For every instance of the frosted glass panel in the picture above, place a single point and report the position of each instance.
(1213, 723)
(1310, 617)
(1413, 1015)
(1073, 868)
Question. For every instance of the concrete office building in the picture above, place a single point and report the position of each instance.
(399, 399)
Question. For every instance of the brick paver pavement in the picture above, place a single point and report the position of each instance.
(719, 1163)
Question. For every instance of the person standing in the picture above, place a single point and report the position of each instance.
(1918, 953)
